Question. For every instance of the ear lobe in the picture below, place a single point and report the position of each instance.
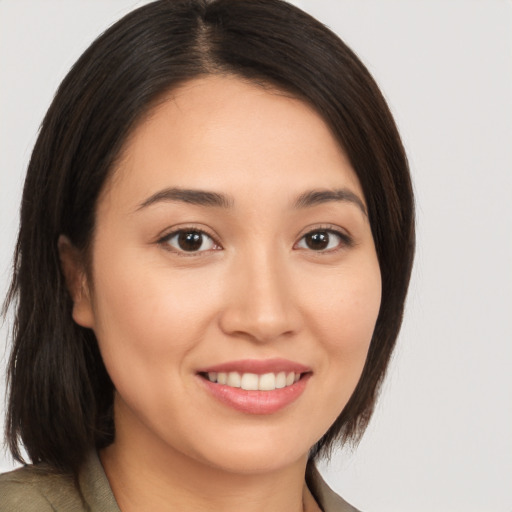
(76, 282)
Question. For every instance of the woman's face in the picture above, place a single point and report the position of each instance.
(231, 248)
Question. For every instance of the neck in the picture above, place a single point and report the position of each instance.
(147, 474)
(143, 483)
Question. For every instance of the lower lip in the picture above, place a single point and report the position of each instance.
(257, 402)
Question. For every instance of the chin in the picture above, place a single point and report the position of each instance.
(258, 461)
(255, 452)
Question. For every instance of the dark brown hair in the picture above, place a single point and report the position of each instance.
(60, 396)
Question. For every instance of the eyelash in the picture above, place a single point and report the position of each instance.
(345, 241)
(165, 241)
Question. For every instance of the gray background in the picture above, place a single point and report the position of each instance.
(441, 437)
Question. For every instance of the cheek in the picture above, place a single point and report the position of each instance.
(148, 313)
(345, 320)
(342, 316)
(148, 320)
(348, 312)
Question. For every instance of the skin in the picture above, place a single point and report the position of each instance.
(256, 292)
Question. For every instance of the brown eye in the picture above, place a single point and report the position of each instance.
(323, 240)
(190, 241)
(317, 241)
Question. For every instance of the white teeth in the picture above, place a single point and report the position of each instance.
(267, 382)
(249, 381)
(253, 381)
(233, 380)
(280, 380)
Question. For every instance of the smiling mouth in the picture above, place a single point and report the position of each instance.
(253, 381)
(254, 386)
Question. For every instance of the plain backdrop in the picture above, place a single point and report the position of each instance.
(441, 438)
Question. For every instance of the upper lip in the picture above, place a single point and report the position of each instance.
(257, 366)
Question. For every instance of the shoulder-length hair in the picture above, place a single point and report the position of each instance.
(60, 395)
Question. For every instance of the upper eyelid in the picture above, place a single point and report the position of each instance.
(344, 233)
(166, 234)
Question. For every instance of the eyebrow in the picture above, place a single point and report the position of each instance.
(316, 197)
(196, 197)
(215, 199)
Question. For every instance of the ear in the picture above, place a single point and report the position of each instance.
(72, 266)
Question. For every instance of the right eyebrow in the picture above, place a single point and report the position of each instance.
(190, 196)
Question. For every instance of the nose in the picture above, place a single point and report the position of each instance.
(260, 300)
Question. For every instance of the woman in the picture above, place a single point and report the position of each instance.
(215, 245)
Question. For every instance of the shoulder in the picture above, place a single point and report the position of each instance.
(324, 495)
(37, 489)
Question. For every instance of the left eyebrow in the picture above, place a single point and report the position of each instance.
(316, 197)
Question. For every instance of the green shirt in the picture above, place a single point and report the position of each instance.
(36, 489)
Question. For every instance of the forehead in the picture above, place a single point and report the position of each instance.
(221, 132)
